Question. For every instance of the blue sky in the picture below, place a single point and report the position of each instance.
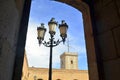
(41, 12)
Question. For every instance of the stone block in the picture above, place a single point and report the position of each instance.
(107, 46)
(118, 6)
(19, 5)
(117, 39)
(112, 69)
(106, 2)
(107, 18)
(97, 5)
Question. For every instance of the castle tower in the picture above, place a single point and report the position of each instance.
(69, 60)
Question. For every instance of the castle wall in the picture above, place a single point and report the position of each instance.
(34, 73)
(62, 74)
(25, 68)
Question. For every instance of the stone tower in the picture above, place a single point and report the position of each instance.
(69, 60)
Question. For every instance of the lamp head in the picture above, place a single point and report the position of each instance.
(63, 30)
(52, 26)
(41, 33)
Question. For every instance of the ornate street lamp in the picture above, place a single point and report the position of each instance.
(51, 43)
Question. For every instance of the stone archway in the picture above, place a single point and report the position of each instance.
(89, 38)
(14, 18)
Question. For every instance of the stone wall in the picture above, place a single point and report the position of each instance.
(69, 60)
(25, 68)
(107, 21)
(9, 26)
(58, 74)
(105, 18)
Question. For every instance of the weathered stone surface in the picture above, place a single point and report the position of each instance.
(118, 6)
(117, 39)
(6, 60)
(9, 21)
(112, 69)
(19, 5)
(62, 74)
(106, 2)
(107, 18)
(107, 46)
(98, 5)
(25, 73)
(69, 60)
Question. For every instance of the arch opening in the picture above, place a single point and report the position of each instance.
(88, 32)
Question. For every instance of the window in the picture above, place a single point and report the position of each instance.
(28, 74)
(71, 61)
(35, 77)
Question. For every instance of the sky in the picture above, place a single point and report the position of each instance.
(41, 12)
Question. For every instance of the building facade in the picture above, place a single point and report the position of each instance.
(57, 74)
(69, 70)
(69, 60)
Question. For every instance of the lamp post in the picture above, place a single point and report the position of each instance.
(51, 43)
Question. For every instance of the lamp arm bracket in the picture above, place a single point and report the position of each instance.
(47, 44)
(54, 43)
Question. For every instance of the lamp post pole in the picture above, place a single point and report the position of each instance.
(51, 43)
(50, 61)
